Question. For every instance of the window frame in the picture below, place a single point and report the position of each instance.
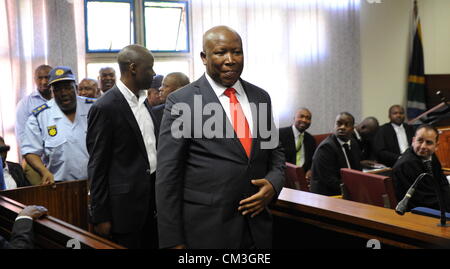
(188, 37)
(132, 24)
(139, 34)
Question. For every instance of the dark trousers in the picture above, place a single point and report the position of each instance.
(247, 241)
(147, 237)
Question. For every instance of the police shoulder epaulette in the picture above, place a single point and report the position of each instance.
(90, 100)
(39, 109)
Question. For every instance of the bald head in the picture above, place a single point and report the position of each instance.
(171, 83)
(217, 33)
(41, 77)
(223, 55)
(368, 127)
(88, 88)
(107, 78)
(302, 119)
(133, 54)
(136, 67)
(397, 114)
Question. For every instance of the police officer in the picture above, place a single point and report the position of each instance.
(55, 134)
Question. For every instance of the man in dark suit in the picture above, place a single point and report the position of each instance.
(217, 172)
(121, 140)
(299, 145)
(364, 134)
(12, 172)
(393, 138)
(22, 231)
(418, 159)
(170, 83)
(337, 151)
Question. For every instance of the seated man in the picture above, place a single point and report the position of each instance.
(420, 159)
(89, 88)
(13, 174)
(393, 138)
(299, 145)
(22, 231)
(337, 151)
(170, 83)
(56, 132)
(364, 134)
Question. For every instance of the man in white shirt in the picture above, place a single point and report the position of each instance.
(298, 144)
(213, 185)
(121, 141)
(337, 151)
(393, 138)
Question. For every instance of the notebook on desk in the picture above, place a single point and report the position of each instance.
(425, 211)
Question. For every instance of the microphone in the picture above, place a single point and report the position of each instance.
(403, 204)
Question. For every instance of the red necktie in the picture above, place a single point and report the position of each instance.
(240, 123)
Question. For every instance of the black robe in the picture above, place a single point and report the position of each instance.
(405, 172)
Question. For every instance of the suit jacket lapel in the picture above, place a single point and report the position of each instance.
(209, 96)
(253, 98)
(342, 161)
(393, 134)
(291, 145)
(123, 105)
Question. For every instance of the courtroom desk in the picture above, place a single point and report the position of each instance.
(308, 220)
(50, 232)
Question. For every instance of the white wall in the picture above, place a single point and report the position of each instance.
(435, 20)
(384, 55)
(385, 46)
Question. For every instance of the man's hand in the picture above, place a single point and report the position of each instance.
(103, 229)
(33, 211)
(36, 163)
(308, 174)
(256, 203)
(47, 178)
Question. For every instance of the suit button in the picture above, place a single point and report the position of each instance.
(148, 171)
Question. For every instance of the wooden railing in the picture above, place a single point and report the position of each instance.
(67, 220)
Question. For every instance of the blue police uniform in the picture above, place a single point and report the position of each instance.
(24, 109)
(61, 143)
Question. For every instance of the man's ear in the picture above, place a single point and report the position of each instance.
(132, 67)
(203, 56)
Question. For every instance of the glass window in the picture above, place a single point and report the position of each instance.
(164, 67)
(166, 26)
(109, 25)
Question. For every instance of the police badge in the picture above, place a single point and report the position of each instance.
(52, 131)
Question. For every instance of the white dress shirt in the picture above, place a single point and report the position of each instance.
(225, 100)
(143, 119)
(302, 149)
(343, 150)
(9, 180)
(401, 137)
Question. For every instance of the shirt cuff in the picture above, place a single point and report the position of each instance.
(24, 217)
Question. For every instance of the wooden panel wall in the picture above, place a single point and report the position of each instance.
(443, 151)
(66, 201)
